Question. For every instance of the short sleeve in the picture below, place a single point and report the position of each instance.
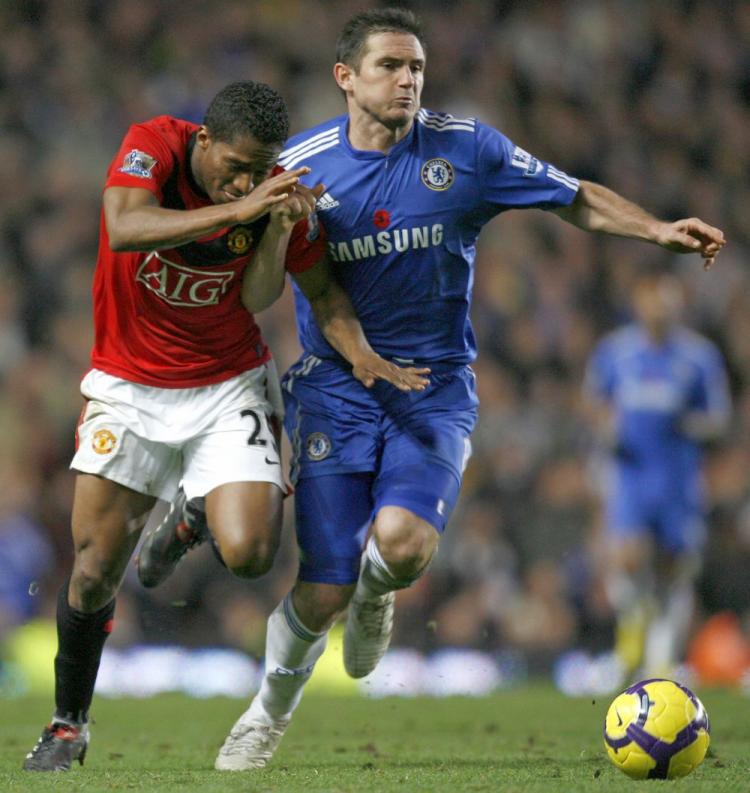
(143, 160)
(513, 178)
(307, 245)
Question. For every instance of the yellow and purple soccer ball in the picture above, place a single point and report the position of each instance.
(656, 729)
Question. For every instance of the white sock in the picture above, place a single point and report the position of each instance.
(67, 722)
(291, 653)
(375, 577)
(668, 631)
(626, 592)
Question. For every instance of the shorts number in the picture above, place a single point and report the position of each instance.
(255, 439)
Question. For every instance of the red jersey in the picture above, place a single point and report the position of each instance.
(173, 317)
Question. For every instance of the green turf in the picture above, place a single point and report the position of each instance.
(528, 739)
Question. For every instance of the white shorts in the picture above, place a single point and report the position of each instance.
(151, 439)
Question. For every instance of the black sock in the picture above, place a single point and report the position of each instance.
(80, 641)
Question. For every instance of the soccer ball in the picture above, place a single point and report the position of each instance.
(656, 729)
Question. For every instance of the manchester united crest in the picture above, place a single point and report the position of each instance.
(438, 174)
(239, 240)
(103, 442)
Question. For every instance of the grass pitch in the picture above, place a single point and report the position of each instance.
(527, 739)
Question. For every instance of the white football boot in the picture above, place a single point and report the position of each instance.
(252, 741)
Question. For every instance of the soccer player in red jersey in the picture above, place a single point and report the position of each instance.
(195, 222)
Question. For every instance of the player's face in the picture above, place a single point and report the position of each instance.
(388, 83)
(658, 302)
(229, 171)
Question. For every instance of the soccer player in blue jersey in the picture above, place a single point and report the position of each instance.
(658, 392)
(408, 191)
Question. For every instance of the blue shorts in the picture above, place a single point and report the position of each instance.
(673, 516)
(356, 450)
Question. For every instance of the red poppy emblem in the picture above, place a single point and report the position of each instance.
(382, 218)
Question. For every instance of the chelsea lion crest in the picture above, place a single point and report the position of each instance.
(318, 446)
(437, 174)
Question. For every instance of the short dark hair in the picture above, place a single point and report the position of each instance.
(350, 47)
(248, 108)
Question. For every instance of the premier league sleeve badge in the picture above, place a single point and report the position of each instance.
(138, 163)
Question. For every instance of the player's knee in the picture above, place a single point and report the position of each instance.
(677, 568)
(93, 584)
(632, 562)
(249, 558)
(631, 557)
(406, 545)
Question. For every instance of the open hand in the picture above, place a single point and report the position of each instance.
(405, 378)
(692, 235)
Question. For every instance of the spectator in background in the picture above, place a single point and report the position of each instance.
(658, 393)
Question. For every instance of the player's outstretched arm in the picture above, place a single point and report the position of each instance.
(263, 280)
(597, 208)
(335, 316)
(136, 222)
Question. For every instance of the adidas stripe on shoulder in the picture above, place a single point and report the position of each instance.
(444, 122)
(296, 154)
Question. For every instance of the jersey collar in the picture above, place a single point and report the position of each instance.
(666, 343)
(360, 154)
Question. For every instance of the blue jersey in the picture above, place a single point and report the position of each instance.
(403, 226)
(651, 387)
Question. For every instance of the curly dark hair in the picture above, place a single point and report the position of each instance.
(352, 41)
(248, 108)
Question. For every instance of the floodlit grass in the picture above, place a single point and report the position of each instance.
(527, 739)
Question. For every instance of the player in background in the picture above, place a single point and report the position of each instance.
(658, 392)
(196, 233)
(378, 473)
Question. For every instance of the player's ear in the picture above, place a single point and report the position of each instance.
(203, 137)
(342, 74)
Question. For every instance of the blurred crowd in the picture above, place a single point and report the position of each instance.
(651, 99)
